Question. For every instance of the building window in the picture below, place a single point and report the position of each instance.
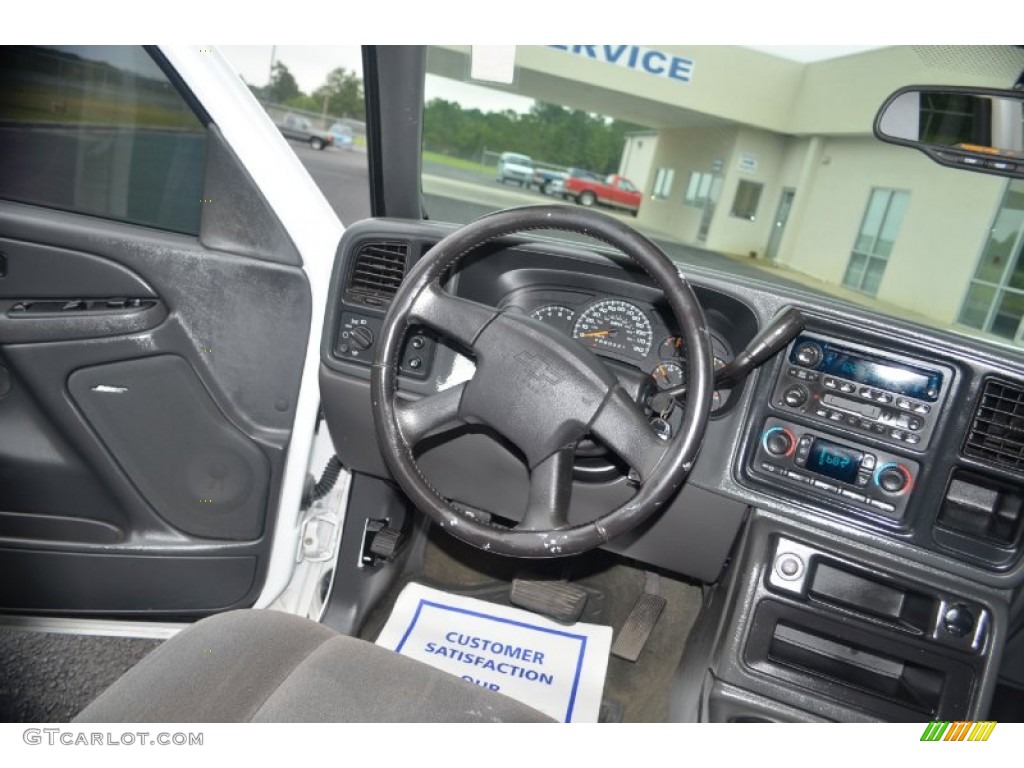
(874, 243)
(698, 189)
(995, 299)
(99, 130)
(748, 195)
(663, 183)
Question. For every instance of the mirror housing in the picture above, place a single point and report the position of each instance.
(977, 129)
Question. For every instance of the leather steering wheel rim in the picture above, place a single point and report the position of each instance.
(553, 373)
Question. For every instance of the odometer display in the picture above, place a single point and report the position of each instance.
(618, 326)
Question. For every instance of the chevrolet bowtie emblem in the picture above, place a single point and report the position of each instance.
(537, 367)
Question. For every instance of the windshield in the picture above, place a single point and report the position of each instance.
(738, 158)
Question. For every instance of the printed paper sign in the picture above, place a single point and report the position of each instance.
(552, 667)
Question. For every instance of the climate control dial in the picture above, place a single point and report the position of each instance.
(893, 478)
(778, 441)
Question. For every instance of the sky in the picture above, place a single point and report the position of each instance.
(309, 64)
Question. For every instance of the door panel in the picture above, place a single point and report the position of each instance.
(154, 317)
(159, 449)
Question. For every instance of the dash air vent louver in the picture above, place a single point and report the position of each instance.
(997, 432)
(378, 270)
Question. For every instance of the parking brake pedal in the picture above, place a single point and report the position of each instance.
(633, 636)
(558, 600)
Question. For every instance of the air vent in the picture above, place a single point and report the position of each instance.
(378, 270)
(997, 433)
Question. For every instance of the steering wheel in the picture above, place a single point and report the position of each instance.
(539, 389)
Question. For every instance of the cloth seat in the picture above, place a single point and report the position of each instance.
(266, 666)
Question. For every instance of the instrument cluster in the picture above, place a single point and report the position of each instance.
(624, 329)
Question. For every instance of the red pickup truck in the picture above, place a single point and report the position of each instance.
(615, 190)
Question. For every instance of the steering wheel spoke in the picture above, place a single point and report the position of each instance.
(417, 418)
(459, 319)
(622, 427)
(550, 492)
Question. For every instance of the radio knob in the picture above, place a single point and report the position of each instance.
(892, 478)
(794, 397)
(808, 354)
(361, 337)
(778, 441)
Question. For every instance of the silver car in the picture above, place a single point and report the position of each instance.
(515, 167)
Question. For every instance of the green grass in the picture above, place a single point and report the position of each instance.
(51, 105)
(454, 162)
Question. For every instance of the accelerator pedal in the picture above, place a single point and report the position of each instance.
(633, 636)
(558, 600)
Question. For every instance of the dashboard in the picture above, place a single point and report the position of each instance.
(859, 496)
(860, 425)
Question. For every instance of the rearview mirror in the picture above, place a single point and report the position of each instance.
(976, 129)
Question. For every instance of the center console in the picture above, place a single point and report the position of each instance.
(807, 627)
(815, 623)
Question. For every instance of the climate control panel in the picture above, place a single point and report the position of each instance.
(846, 474)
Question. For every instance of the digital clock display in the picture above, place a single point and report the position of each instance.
(835, 461)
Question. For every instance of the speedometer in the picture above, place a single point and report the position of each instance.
(613, 325)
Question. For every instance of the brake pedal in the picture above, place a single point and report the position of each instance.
(558, 600)
(633, 636)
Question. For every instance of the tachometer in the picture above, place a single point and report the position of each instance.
(613, 325)
(556, 315)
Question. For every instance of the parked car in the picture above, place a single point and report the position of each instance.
(515, 167)
(547, 180)
(342, 135)
(299, 128)
(614, 191)
(557, 187)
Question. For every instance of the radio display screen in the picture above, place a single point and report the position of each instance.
(833, 460)
(899, 379)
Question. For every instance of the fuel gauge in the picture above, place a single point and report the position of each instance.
(668, 375)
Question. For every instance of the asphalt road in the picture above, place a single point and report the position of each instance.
(342, 176)
(457, 195)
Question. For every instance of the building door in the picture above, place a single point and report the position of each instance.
(708, 212)
(781, 217)
(875, 241)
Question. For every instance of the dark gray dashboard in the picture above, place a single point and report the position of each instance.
(941, 522)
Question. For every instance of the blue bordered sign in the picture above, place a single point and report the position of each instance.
(557, 669)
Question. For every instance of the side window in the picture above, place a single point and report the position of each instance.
(748, 195)
(995, 300)
(99, 130)
(663, 183)
(698, 189)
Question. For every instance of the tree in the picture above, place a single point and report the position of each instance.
(282, 85)
(341, 94)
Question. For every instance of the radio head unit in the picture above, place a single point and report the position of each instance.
(856, 388)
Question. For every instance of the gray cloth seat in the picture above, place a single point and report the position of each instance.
(265, 666)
